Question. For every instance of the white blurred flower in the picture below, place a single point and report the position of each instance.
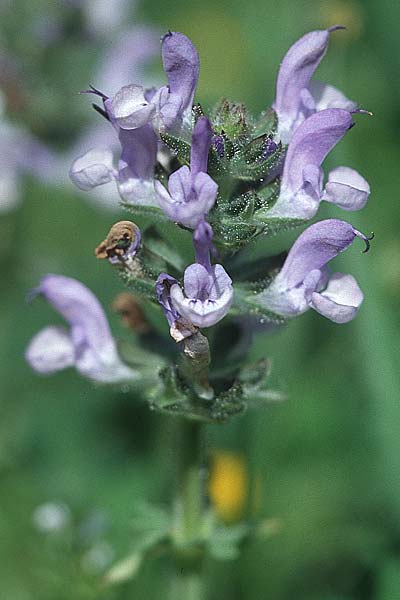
(51, 516)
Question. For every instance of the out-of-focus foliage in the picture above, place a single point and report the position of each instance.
(327, 460)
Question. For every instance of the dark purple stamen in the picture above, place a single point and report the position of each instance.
(219, 145)
(269, 148)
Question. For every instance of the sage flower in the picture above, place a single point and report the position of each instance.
(296, 96)
(301, 188)
(207, 291)
(87, 345)
(191, 192)
(304, 281)
(135, 173)
(170, 106)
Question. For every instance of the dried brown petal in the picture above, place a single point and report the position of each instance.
(118, 240)
(131, 313)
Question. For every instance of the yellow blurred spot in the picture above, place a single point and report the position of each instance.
(343, 12)
(228, 485)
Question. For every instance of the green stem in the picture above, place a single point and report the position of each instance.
(189, 512)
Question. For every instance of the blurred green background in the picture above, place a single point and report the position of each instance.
(327, 459)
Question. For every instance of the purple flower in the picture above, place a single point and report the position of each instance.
(296, 97)
(305, 282)
(208, 291)
(191, 192)
(302, 178)
(88, 344)
(170, 106)
(135, 173)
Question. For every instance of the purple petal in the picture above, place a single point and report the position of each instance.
(220, 282)
(79, 306)
(196, 202)
(179, 184)
(346, 188)
(50, 350)
(313, 249)
(311, 143)
(201, 142)
(136, 165)
(197, 282)
(203, 244)
(206, 191)
(181, 64)
(163, 288)
(202, 313)
(295, 73)
(93, 168)
(290, 302)
(95, 353)
(340, 301)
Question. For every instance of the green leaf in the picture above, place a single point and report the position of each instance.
(277, 225)
(234, 233)
(230, 118)
(247, 170)
(180, 148)
(150, 525)
(161, 248)
(267, 123)
(155, 213)
(137, 358)
(267, 195)
(246, 301)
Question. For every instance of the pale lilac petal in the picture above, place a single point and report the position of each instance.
(197, 282)
(220, 282)
(184, 204)
(202, 313)
(281, 299)
(164, 199)
(340, 301)
(181, 64)
(310, 144)
(170, 113)
(314, 248)
(206, 191)
(136, 191)
(94, 351)
(201, 142)
(294, 75)
(179, 184)
(136, 165)
(93, 168)
(79, 306)
(50, 350)
(346, 188)
(129, 108)
(163, 286)
(203, 244)
(327, 96)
